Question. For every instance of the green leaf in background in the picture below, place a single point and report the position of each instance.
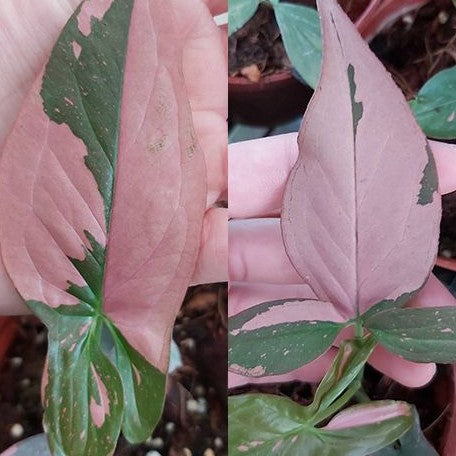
(420, 335)
(435, 105)
(413, 443)
(239, 12)
(300, 29)
(267, 349)
(263, 424)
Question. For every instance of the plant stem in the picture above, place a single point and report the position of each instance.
(337, 405)
(359, 332)
(361, 396)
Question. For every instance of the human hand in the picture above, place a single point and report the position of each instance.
(28, 30)
(259, 268)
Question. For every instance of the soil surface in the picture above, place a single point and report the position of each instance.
(195, 417)
(257, 48)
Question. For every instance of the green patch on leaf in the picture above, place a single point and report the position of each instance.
(429, 182)
(239, 12)
(85, 91)
(388, 304)
(357, 106)
(279, 348)
(81, 371)
(420, 335)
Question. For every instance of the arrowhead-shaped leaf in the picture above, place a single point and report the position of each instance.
(421, 335)
(36, 445)
(435, 105)
(300, 29)
(361, 211)
(239, 12)
(279, 336)
(265, 424)
(413, 443)
(102, 194)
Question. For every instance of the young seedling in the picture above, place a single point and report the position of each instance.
(102, 198)
(360, 224)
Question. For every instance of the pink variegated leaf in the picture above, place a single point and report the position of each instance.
(280, 427)
(102, 195)
(361, 209)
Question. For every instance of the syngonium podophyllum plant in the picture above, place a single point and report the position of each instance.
(360, 224)
(102, 198)
(434, 106)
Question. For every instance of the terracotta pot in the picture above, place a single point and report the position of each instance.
(280, 97)
(274, 99)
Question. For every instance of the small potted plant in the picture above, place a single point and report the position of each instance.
(275, 52)
(360, 224)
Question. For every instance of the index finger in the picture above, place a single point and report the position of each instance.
(217, 6)
(258, 171)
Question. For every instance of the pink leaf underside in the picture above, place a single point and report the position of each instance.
(384, 13)
(351, 221)
(363, 415)
(49, 196)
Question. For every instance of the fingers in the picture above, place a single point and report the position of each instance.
(212, 265)
(413, 375)
(212, 132)
(205, 72)
(257, 174)
(257, 253)
(204, 63)
(433, 294)
(445, 160)
(258, 171)
(217, 6)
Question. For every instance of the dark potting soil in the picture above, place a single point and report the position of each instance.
(433, 401)
(195, 417)
(414, 49)
(257, 48)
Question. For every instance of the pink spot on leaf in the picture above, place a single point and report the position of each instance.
(90, 9)
(84, 328)
(137, 375)
(76, 49)
(99, 411)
